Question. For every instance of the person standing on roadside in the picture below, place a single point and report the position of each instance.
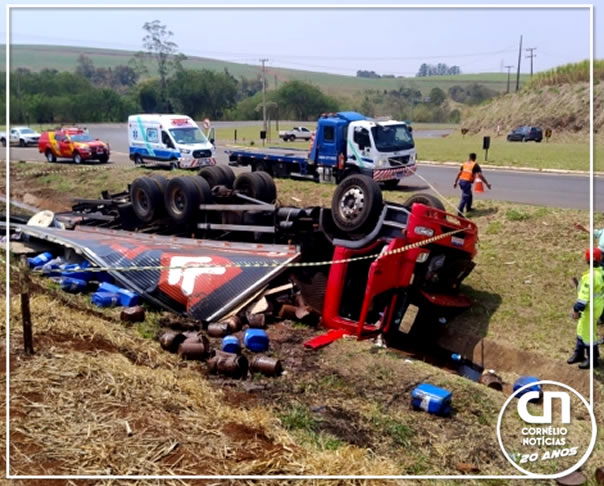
(598, 234)
(467, 174)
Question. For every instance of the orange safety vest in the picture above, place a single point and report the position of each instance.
(467, 171)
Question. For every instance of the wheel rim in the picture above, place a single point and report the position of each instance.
(77, 159)
(142, 200)
(352, 203)
(49, 156)
(178, 201)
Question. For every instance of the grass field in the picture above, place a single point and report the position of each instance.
(63, 58)
(340, 410)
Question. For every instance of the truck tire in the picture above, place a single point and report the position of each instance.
(423, 198)
(182, 199)
(147, 198)
(214, 176)
(205, 191)
(356, 204)
(270, 187)
(292, 138)
(103, 159)
(228, 174)
(50, 157)
(263, 167)
(77, 158)
(252, 184)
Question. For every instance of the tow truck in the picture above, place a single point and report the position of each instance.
(345, 143)
(208, 242)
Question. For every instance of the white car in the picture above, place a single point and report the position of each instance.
(295, 133)
(22, 136)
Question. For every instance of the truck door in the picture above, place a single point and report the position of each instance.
(14, 136)
(65, 145)
(328, 152)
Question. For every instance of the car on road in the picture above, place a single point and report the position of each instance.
(525, 133)
(72, 143)
(302, 133)
(22, 136)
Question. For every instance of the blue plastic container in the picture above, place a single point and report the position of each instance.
(39, 260)
(526, 380)
(106, 299)
(127, 298)
(230, 344)
(52, 268)
(76, 270)
(73, 285)
(255, 340)
(431, 399)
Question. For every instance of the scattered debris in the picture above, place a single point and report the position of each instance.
(133, 314)
(464, 467)
(600, 476)
(233, 365)
(218, 329)
(231, 344)
(266, 365)
(576, 478)
(194, 348)
(255, 340)
(128, 429)
(256, 321)
(527, 380)
(325, 339)
(491, 380)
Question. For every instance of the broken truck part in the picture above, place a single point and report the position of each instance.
(367, 266)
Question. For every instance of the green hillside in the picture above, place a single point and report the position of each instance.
(64, 58)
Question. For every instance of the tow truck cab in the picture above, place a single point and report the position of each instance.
(353, 143)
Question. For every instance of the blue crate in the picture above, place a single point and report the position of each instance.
(230, 344)
(126, 297)
(431, 399)
(105, 299)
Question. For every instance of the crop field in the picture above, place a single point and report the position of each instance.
(63, 58)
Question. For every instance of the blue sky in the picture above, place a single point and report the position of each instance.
(394, 41)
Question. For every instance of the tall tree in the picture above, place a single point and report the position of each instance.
(158, 46)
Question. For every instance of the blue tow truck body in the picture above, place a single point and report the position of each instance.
(345, 143)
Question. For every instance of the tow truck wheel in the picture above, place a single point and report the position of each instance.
(228, 174)
(50, 156)
(77, 158)
(252, 184)
(263, 167)
(214, 176)
(427, 199)
(182, 199)
(147, 198)
(356, 203)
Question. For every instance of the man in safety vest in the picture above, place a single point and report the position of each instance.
(587, 324)
(466, 176)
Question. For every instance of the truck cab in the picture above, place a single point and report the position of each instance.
(352, 143)
(175, 140)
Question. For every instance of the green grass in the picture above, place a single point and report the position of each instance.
(571, 152)
(64, 58)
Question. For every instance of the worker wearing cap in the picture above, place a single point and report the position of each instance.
(586, 325)
(467, 174)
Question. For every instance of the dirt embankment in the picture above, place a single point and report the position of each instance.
(563, 108)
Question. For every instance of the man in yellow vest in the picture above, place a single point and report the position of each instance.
(587, 324)
(466, 176)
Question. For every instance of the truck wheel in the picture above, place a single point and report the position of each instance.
(229, 175)
(138, 160)
(423, 198)
(252, 184)
(356, 203)
(77, 158)
(50, 157)
(263, 167)
(182, 199)
(147, 198)
(205, 191)
(292, 138)
(103, 159)
(214, 176)
(270, 188)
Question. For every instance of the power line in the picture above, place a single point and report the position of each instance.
(519, 59)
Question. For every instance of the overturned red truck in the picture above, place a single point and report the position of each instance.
(205, 245)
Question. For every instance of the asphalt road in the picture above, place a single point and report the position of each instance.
(543, 189)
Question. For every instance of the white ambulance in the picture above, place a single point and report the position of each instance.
(175, 140)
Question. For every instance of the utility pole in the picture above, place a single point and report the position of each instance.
(531, 55)
(508, 68)
(263, 93)
(518, 71)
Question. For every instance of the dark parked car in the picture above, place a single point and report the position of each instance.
(525, 133)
